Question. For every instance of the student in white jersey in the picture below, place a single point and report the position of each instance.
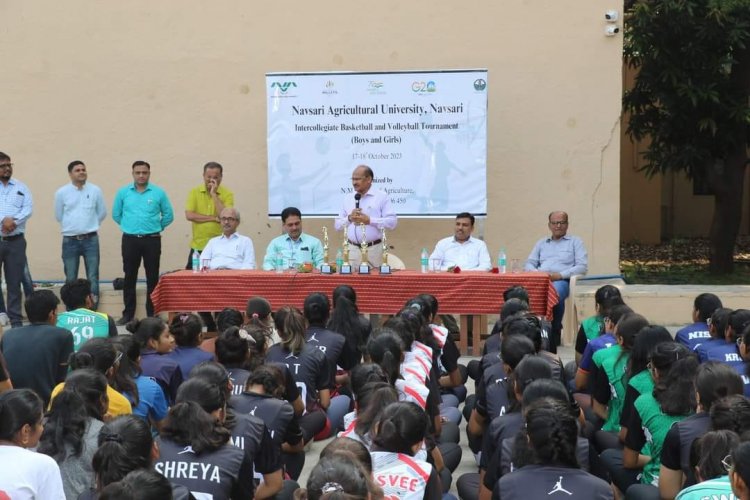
(551, 432)
(25, 474)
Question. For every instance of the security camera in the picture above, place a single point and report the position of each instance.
(611, 16)
(611, 30)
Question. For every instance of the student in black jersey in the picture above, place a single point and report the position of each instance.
(346, 320)
(196, 451)
(261, 398)
(554, 471)
(125, 445)
(316, 310)
(309, 368)
(141, 484)
(714, 383)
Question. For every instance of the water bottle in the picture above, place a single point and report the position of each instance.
(502, 260)
(339, 259)
(195, 261)
(424, 259)
(279, 263)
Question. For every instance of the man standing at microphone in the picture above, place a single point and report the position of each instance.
(371, 207)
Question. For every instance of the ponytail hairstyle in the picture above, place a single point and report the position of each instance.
(125, 444)
(146, 329)
(241, 347)
(187, 329)
(317, 309)
(530, 369)
(715, 380)
(372, 399)
(386, 349)
(645, 342)
(526, 324)
(731, 413)
(514, 348)
(674, 390)
(626, 330)
(227, 317)
(337, 478)
(738, 320)
(400, 427)
(719, 321)
(405, 326)
(128, 366)
(605, 294)
(432, 302)
(97, 353)
(190, 422)
(363, 374)
(418, 307)
(19, 407)
(708, 452)
(552, 432)
(259, 314)
(350, 448)
(345, 317)
(270, 377)
(140, 484)
(83, 397)
(291, 327)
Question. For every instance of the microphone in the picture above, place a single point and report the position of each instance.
(357, 197)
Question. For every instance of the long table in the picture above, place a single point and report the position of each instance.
(466, 293)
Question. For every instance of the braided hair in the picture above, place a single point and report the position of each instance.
(125, 444)
(552, 432)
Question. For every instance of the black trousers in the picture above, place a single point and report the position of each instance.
(135, 249)
(13, 260)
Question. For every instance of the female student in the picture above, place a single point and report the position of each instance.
(187, 330)
(156, 342)
(25, 474)
(552, 433)
(346, 320)
(72, 428)
(309, 368)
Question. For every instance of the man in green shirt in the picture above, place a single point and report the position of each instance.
(293, 247)
(80, 318)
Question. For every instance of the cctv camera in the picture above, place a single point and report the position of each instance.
(611, 16)
(611, 30)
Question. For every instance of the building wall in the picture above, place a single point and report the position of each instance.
(182, 83)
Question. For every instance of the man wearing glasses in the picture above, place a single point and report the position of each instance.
(230, 250)
(16, 206)
(560, 256)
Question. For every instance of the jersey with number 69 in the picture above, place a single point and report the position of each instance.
(86, 324)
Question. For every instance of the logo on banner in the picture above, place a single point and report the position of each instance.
(283, 87)
(422, 87)
(374, 87)
(480, 84)
(330, 90)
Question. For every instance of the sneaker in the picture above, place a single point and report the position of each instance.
(4, 319)
(123, 321)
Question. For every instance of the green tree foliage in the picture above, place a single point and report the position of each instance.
(690, 99)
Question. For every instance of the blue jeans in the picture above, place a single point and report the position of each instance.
(72, 251)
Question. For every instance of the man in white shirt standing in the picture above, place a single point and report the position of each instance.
(230, 250)
(461, 249)
(371, 207)
(80, 210)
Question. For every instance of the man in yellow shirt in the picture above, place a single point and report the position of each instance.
(202, 208)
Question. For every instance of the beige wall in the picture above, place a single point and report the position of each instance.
(182, 83)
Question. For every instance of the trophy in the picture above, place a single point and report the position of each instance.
(346, 268)
(325, 267)
(384, 267)
(364, 266)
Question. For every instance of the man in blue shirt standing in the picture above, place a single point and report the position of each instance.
(143, 211)
(294, 246)
(16, 207)
(560, 256)
(80, 210)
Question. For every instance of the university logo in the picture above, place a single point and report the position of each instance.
(480, 84)
(283, 86)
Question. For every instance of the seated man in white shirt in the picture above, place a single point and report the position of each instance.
(469, 254)
(230, 250)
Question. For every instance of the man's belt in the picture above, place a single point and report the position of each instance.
(11, 238)
(149, 235)
(86, 236)
(370, 244)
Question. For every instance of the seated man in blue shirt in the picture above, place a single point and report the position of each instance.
(560, 256)
(293, 247)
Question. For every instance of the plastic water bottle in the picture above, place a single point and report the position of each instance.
(279, 263)
(424, 260)
(195, 261)
(502, 260)
(339, 259)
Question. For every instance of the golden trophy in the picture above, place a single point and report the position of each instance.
(325, 267)
(364, 266)
(384, 267)
(346, 267)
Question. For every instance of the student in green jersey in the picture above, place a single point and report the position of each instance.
(80, 317)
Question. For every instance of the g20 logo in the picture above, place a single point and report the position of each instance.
(421, 87)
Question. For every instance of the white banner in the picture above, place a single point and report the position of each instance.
(424, 134)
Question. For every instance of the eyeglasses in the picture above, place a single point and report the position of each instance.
(740, 340)
(558, 223)
(117, 359)
(227, 219)
(6, 165)
(728, 463)
(650, 367)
